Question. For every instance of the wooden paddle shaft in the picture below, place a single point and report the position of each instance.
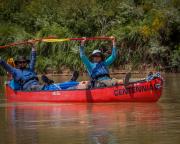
(18, 43)
(23, 42)
(91, 38)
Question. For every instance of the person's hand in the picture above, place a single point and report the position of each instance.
(113, 40)
(83, 41)
(32, 42)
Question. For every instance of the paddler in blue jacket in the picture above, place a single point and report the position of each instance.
(24, 75)
(25, 78)
(98, 67)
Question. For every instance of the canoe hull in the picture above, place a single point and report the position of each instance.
(135, 92)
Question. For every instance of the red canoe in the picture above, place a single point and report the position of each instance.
(140, 91)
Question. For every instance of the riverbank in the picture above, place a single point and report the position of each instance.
(68, 72)
(123, 69)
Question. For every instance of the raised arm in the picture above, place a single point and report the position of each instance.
(113, 55)
(33, 57)
(7, 67)
(84, 58)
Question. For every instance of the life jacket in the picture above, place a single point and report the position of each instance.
(25, 78)
(99, 71)
(14, 85)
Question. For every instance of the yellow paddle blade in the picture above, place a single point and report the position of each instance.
(55, 40)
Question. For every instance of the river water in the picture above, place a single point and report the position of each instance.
(104, 123)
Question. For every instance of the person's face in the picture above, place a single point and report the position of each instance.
(22, 64)
(97, 58)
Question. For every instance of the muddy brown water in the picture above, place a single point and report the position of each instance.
(104, 123)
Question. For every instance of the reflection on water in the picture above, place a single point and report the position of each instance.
(94, 123)
(104, 123)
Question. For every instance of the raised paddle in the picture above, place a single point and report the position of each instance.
(76, 39)
(54, 39)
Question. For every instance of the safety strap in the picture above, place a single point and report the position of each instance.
(101, 76)
(95, 79)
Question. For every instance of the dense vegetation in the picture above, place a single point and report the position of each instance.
(147, 31)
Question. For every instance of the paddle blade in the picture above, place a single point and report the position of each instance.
(55, 40)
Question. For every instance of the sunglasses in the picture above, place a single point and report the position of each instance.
(22, 62)
(97, 55)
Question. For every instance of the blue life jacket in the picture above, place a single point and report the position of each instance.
(25, 78)
(14, 85)
(99, 71)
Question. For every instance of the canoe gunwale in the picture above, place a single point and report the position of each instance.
(130, 83)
